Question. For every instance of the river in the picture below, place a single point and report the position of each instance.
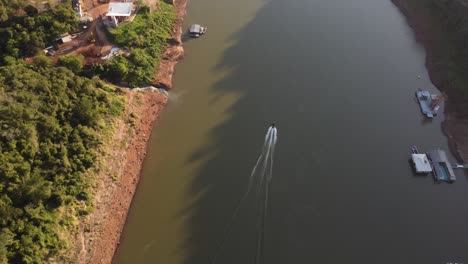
(338, 78)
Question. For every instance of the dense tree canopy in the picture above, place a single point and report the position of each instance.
(49, 132)
(73, 63)
(27, 35)
(51, 120)
(8, 8)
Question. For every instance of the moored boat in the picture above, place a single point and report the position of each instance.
(196, 30)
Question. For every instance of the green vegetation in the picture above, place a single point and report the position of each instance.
(73, 63)
(10, 7)
(27, 35)
(146, 38)
(50, 125)
(52, 121)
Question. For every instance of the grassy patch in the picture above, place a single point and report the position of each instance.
(146, 38)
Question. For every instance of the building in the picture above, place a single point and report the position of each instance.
(119, 11)
(64, 38)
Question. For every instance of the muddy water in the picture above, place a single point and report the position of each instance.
(338, 77)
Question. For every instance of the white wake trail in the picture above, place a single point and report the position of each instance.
(273, 145)
(264, 209)
(269, 139)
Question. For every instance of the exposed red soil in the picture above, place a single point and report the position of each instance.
(455, 125)
(92, 51)
(117, 182)
(91, 43)
(174, 52)
(100, 232)
(166, 66)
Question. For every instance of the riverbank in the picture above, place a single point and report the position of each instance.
(431, 25)
(99, 233)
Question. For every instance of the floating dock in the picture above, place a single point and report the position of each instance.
(420, 161)
(441, 167)
(428, 103)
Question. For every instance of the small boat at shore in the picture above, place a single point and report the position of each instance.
(196, 30)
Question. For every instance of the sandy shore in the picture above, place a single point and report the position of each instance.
(437, 64)
(99, 233)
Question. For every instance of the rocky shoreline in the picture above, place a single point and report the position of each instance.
(439, 46)
(99, 233)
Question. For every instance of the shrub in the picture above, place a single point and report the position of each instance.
(73, 63)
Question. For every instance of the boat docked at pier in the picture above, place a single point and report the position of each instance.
(436, 162)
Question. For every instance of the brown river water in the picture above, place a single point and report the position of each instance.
(338, 78)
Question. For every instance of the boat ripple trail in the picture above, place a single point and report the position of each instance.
(264, 209)
(262, 164)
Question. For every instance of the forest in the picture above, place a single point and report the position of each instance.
(55, 114)
(28, 34)
(52, 125)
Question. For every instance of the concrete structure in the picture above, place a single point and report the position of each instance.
(442, 168)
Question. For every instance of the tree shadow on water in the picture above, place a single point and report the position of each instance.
(257, 74)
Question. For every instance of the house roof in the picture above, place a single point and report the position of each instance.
(421, 163)
(66, 39)
(120, 9)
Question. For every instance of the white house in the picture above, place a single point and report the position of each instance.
(119, 11)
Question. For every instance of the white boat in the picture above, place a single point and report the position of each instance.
(196, 30)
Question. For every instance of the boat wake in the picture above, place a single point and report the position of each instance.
(262, 174)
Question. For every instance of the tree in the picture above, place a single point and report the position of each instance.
(117, 68)
(24, 36)
(73, 63)
(6, 239)
(31, 10)
(48, 139)
(42, 61)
